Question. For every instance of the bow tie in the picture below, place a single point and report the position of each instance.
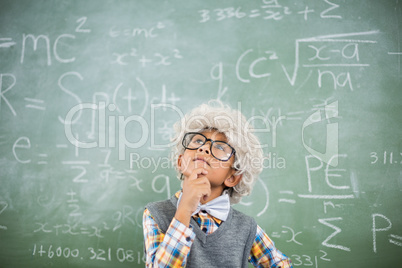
(218, 207)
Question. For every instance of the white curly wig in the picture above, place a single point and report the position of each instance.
(239, 133)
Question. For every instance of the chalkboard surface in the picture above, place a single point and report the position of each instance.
(89, 91)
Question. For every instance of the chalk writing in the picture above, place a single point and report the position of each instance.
(3, 207)
(264, 202)
(336, 229)
(59, 252)
(88, 102)
(151, 32)
(165, 184)
(71, 94)
(307, 260)
(77, 229)
(349, 51)
(155, 59)
(271, 123)
(386, 158)
(35, 40)
(91, 253)
(293, 234)
(73, 204)
(287, 199)
(9, 87)
(21, 143)
(80, 28)
(251, 70)
(329, 174)
(35, 104)
(216, 73)
(6, 42)
(378, 225)
(269, 10)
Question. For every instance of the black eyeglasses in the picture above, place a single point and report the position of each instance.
(219, 149)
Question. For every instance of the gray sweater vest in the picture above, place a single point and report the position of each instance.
(228, 246)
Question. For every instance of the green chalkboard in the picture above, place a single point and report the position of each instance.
(89, 91)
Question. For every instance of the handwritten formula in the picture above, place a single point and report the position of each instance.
(89, 93)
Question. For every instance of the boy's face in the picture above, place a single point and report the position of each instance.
(220, 173)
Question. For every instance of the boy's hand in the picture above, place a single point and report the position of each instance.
(195, 187)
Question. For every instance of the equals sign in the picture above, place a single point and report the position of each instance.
(294, 115)
(395, 242)
(275, 234)
(42, 162)
(36, 104)
(6, 42)
(61, 146)
(254, 13)
(286, 200)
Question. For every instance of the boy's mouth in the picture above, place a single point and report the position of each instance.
(198, 158)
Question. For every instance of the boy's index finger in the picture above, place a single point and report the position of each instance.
(197, 173)
(202, 174)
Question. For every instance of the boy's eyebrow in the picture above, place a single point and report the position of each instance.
(207, 139)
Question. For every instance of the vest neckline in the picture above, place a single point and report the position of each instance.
(200, 235)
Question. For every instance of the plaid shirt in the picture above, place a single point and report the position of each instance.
(172, 248)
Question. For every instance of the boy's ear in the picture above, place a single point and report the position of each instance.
(233, 180)
(179, 161)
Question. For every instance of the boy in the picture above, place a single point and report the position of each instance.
(218, 160)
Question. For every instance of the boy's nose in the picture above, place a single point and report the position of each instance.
(205, 148)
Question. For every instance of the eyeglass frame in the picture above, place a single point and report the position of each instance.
(210, 146)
